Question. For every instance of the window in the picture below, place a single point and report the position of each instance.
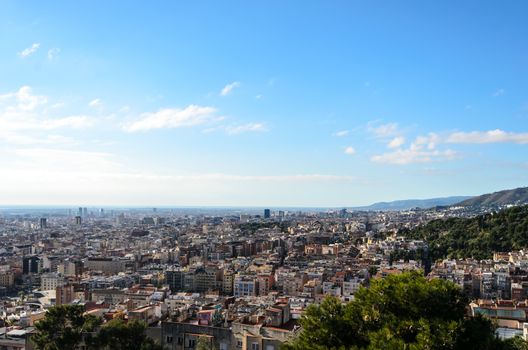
(254, 346)
(180, 341)
(239, 343)
(270, 347)
(223, 346)
(168, 340)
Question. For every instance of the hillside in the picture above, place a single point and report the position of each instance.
(414, 203)
(477, 237)
(517, 196)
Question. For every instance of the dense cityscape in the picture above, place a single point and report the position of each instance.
(243, 280)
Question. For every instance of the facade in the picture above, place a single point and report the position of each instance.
(106, 265)
(244, 286)
(175, 279)
(7, 278)
(50, 281)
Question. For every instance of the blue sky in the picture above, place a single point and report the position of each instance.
(263, 103)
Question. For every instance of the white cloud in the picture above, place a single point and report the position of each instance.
(22, 110)
(16, 138)
(413, 155)
(424, 149)
(23, 99)
(396, 142)
(192, 115)
(62, 160)
(342, 133)
(431, 140)
(96, 103)
(23, 115)
(498, 93)
(350, 150)
(259, 96)
(29, 51)
(53, 53)
(383, 130)
(490, 136)
(229, 88)
(72, 122)
(250, 127)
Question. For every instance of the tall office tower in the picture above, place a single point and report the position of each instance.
(78, 220)
(85, 212)
(43, 223)
(80, 211)
(267, 213)
(101, 212)
(30, 264)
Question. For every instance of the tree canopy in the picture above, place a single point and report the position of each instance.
(63, 328)
(404, 311)
(66, 327)
(477, 237)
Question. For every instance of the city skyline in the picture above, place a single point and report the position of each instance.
(260, 104)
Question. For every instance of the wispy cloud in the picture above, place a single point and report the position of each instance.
(383, 130)
(498, 93)
(22, 100)
(229, 88)
(350, 150)
(73, 122)
(249, 127)
(474, 137)
(491, 136)
(95, 103)
(396, 142)
(341, 133)
(425, 148)
(29, 51)
(22, 114)
(170, 118)
(413, 155)
(53, 53)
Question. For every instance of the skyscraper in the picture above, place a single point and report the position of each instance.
(267, 213)
(43, 223)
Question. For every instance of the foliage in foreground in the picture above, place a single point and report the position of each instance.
(399, 312)
(66, 327)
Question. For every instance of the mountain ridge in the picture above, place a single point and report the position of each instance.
(405, 204)
(516, 196)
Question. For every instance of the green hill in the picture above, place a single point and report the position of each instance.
(476, 237)
(517, 196)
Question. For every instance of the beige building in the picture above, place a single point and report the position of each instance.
(7, 278)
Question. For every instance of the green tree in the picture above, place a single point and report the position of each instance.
(516, 343)
(477, 237)
(66, 327)
(63, 328)
(404, 311)
(120, 335)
